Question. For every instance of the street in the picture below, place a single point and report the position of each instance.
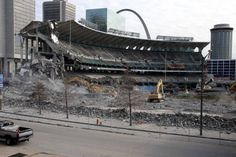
(82, 142)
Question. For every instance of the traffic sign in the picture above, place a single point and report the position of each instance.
(1, 80)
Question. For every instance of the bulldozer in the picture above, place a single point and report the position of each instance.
(158, 94)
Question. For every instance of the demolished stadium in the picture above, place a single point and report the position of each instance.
(74, 47)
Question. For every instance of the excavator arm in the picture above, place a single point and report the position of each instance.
(158, 95)
(232, 88)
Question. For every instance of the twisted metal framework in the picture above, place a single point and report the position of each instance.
(140, 18)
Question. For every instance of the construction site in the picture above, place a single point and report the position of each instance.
(71, 70)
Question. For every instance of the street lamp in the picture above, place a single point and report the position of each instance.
(202, 85)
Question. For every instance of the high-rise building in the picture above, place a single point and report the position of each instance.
(14, 15)
(105, 19)
(58, 10)
(2, 30)
(221, 41)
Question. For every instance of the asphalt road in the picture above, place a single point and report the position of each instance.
(79, 142)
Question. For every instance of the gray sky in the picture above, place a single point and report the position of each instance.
(166, 17)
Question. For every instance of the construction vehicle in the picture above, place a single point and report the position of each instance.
(206, 86)
(209, 87)
(232, 87)
(158, 94)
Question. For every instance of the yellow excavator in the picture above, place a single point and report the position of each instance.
(232, 87)
(158, 95)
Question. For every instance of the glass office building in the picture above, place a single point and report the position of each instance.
(222, 68)
(105, 19)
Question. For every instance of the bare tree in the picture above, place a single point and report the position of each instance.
(127, 84)
(39, 95)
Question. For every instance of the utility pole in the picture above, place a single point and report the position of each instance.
(165, 66)
(129, 86)
(130, 109)
(202, 86)
(66, 97)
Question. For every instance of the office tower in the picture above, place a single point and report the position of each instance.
(14, 15)
(58, 10)
(221, 41)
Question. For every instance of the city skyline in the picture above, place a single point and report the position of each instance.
(166, 17)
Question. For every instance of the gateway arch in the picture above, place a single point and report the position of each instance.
(140, 18)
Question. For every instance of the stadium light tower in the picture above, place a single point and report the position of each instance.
(202, 85)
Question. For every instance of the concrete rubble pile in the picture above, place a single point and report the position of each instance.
(176, 120)
(42, 66)
(82, 102)
(49, 67)
(188, 120)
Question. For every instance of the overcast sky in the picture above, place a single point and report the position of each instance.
(192, 18)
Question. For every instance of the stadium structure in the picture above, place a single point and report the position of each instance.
(85, 51)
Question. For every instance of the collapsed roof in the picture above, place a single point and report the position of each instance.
(74, 32)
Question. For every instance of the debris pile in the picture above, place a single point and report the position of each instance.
(89, 84)
(41, 66)
(177, 120)
(88, 98)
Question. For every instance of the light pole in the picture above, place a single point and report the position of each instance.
(202, 85)
(129, 86)
(130, 109)
(66, 97)
(202, 80)
(165, 66)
